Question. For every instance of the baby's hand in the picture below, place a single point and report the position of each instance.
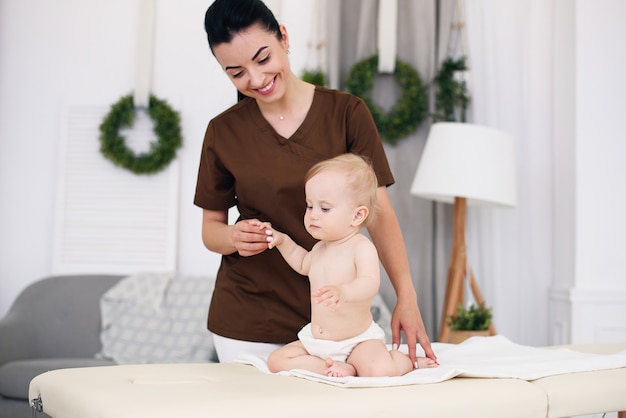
(330, 296)
(273, 237)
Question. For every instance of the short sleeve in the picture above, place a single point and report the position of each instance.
(215, 187)
(364, 139)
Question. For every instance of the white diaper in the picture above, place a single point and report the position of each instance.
(337, 350)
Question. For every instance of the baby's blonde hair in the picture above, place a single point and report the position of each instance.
(362, 181)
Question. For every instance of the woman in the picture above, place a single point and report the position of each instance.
(261, 147)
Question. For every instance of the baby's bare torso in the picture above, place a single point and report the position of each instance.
(333, 265)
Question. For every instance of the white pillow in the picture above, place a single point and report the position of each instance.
(157, 318)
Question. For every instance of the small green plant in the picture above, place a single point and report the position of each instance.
(314, 77)
(474, 318)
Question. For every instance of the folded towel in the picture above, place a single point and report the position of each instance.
(487, 357)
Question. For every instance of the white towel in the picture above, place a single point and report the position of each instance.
(489, 357)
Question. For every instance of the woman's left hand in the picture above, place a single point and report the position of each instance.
(407, 318)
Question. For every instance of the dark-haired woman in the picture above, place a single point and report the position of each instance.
(255, 156)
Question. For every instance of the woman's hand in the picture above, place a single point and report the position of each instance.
(248, 238)
(245, 237)
(406, 317)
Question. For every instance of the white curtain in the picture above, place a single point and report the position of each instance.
(509, 46)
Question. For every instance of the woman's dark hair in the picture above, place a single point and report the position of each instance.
(225, 18)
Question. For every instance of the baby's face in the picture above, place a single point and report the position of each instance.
(330, 206)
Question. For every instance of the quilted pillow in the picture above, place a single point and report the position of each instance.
(157, 318)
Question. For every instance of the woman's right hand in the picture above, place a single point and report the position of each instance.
(248, 239)
(244, 237)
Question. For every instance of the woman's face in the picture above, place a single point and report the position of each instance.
(256, 62)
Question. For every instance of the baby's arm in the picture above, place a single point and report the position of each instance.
(296, 256)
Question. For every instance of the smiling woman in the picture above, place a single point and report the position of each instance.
(255, 155)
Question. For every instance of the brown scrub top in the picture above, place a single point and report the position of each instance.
(244, 162)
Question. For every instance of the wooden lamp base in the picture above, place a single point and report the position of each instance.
(457, 272)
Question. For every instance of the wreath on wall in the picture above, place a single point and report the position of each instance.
(409, 111)
(162, 151)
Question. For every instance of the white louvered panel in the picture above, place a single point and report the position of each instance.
(108, 219)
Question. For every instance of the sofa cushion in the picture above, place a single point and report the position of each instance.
(16, 375)
(157, 318)
(56, 317)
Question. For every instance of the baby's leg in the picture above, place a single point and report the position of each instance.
(294, 356)
(371, 358)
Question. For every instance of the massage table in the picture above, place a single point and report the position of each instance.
(241, 389)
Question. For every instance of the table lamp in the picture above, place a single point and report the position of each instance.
(465, 164)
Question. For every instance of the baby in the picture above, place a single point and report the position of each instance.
(344, 273)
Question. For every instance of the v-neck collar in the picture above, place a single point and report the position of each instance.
(301, 132)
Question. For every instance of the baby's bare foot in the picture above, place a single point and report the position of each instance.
(425, 362)
(339, 369)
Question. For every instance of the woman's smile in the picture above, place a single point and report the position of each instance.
(268, 88)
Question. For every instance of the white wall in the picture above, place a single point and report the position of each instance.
(74, 52)
(600, 145)
(588, 295)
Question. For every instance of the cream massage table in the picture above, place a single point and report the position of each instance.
(234, 390)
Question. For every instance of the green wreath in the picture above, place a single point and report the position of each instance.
(162, 152)
(407, 114)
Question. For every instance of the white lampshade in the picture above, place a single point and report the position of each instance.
(470, 161)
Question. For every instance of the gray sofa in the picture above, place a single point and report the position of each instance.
(54, 323)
